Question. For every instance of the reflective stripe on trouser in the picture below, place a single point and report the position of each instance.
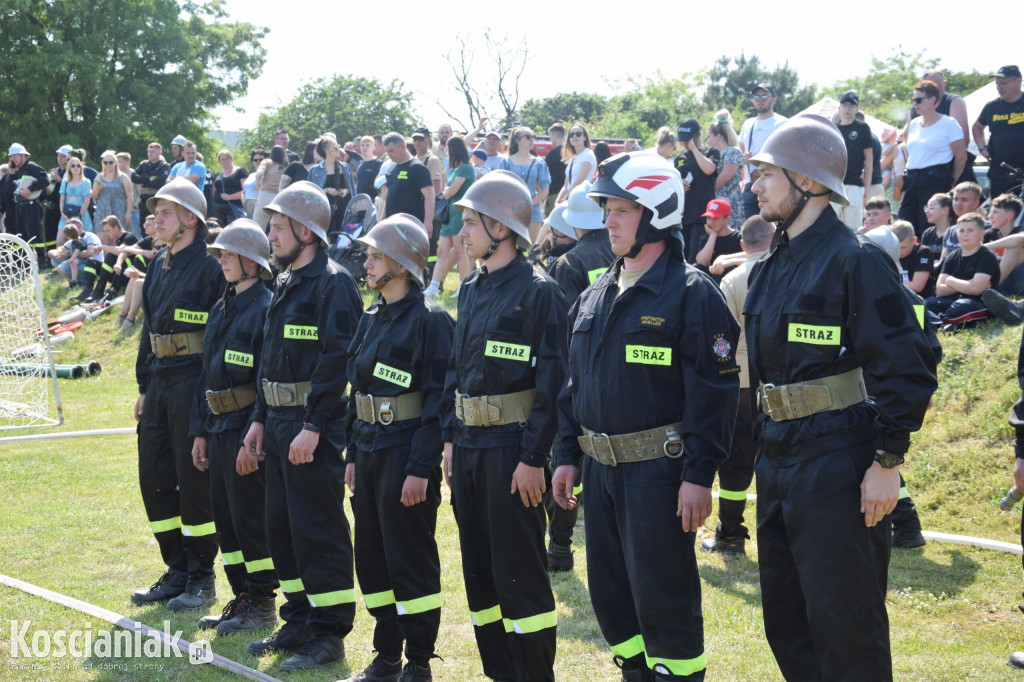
(397, 561)
(823, 572)
(504, 566)
(633, 648)
(641, 565)
(736, 472)
(307, 530)
(238, 510)
(176, 494)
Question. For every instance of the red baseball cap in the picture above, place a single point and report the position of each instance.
(717, 208)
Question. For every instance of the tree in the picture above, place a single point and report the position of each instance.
(507, 63)
(565, 106)
(731, 80)
(345, 105)
(649, 103)
(119, 73)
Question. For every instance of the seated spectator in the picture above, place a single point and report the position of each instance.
(1005, 240)
(939, 237)
(722, 239)
(137, 259)
(967, 198)
(877, 212)
(83, 256)
(966, 274)
(917, 262)
(113, 260)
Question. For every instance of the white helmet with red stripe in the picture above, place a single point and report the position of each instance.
(647, 179)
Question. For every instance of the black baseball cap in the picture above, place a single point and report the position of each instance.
(1008, 71)
(763, 86)
(420, 132)
(687, 129)
(850, 96)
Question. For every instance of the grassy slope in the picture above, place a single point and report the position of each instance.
(73, 522)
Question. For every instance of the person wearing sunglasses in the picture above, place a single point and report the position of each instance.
(579, 159)
(533, 171)
(936, 154)
(753, 133)
(112, 191)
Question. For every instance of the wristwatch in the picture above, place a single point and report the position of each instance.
(888, 460)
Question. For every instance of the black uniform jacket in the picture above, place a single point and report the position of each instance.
(510, 337)
(401, 348)
(823, 304)
(40, 181)
(151, 175)
(313, 315)
(578, 268)
(662, 352)
(231, 355)
(174, 301)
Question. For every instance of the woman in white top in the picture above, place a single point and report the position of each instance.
(579, 159)
(531, 170)
(936, 154)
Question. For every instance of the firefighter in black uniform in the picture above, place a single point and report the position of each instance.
(220, 412)
(150, 175)
(20, 191)
(651, 398)
(504, 375)
(397, 367)
(575, 270)
(825, 321)
(298, 423)
(181, 287)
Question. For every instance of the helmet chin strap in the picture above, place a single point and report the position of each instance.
(805, 196)
(645, 234)
(245, 275)
(495, 243)
(174, 237)
(295, 234)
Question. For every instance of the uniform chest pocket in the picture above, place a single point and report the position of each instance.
(187, 313)
(392, 365)
(649, 340)
(509, 337)
(300, 328)
(814, 319)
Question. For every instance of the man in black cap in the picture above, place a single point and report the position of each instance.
(1004, 118)
(753, 133)
(698, 168)
(859, 159)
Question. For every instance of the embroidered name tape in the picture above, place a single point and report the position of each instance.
(815, 334)
(649, 355)
(392, 375)
(509, 351)
(294, 331)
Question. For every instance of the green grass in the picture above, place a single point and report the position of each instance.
(73, 522)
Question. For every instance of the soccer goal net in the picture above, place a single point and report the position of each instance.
(26, 360)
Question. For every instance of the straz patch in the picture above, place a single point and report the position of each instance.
(392, 375)
(508, 351)
(234, 357)
(815, 334)
(652, 321)
(294, 331)
(595, 273)
(722, 347)
(190, 316)
(649, 355)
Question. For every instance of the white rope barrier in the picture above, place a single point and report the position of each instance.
(69, 434)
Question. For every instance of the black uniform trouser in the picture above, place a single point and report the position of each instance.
(28, 224)
(504, 565)
(736, 472)
(175, 493)
(641, 566)
(105, 275)
(823, 572)
(238, 511)
(918, 188)
(51, 221)
(143, 211)
(561, 522)
(307, 529)
(396, 555)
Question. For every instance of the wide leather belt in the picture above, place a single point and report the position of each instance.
(231, 399)
(284, 394)
(494, 410)
(663, 441)
(388, 409)
(805, 398)
(173, 345)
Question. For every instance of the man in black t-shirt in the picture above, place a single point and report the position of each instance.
(698, 169)
(410, 188)
(966, 273)
(860, 158)
(1004, 118)
(721, 239)
(110, 272)
(556, 167)
(917, 262)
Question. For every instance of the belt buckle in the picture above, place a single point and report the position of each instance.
(673, 445)
(762, 398)
(607, 440)
(373, 412)
(385, 414)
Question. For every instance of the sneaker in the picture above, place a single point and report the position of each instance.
(559, 558)
(168, 586)
(128, 324)
(415, 672)
(212, 622)
(908, 539)
(1006, 310)
(725, 546)
(252, 614)
(432, 291)
(1016, 660)
(380, 670)
(320, 651)
(291, 637)
(201, 591)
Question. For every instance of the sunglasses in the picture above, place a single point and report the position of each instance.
(108, 163)
(918, 100)
(75, 165)
(758, 98)
(578, 133)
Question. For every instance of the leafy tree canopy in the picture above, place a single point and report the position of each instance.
(565, 106)
(731, 80)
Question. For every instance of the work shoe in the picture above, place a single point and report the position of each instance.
(432, 291)
(252, 614)
(908, 539)
(726, 546)
(633, 670)
(168, 586)
(559, 558)
(1016, 660)
(320, 651)
(416, 672)
(201, 591)
(291, 637)
(1006, 310)
(211, 622)
(380, 670)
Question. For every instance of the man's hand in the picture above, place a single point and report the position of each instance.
(446, 465)
(25, 192)
(350, 476)
(139, 403)
(694, 506)
(245, 463)
(879, 492)
(528, 481)
(199, 460)
(253, 442)
(301, 449)
(562, 484)
(414, 491)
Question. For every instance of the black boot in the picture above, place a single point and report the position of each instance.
(559, 558)
(291, 637)
(906, 525)
(320, 651)
(168, 586)
(227, 613)
(201, 591)
(634, 669)
(380, 670)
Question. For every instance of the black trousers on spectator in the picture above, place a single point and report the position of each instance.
(918, 187)
(175, 493)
